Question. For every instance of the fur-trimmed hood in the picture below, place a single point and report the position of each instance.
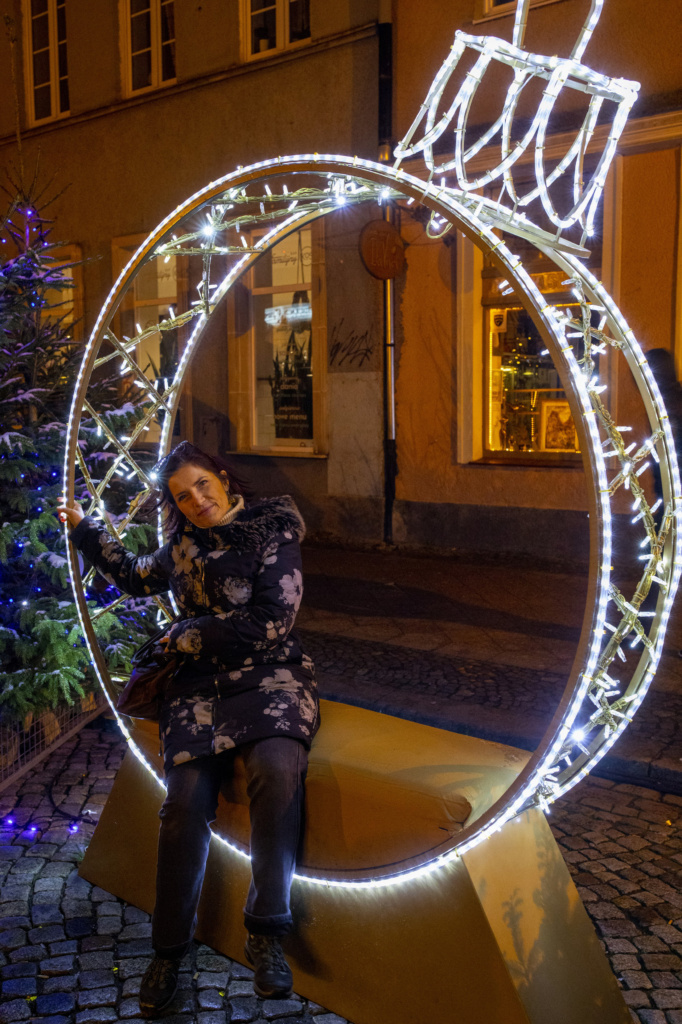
(256, 525)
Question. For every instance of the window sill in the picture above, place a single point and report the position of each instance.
(516, 460)
(144, 90)
(276, 51)
(509, 10)
(278, 453)
(45, 121)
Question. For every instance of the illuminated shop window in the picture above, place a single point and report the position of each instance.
(150, 43)
(282, 332)
(271, 25)
(47, 74)
(526, 410)
(277, 349)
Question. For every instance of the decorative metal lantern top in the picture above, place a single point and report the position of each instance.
(559, 73)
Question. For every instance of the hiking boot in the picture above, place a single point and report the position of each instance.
(272, 977)
(158, 986)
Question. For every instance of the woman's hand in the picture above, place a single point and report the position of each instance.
(73, 515)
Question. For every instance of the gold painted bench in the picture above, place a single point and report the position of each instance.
(491, 937)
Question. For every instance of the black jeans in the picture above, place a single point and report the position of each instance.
(275, 772)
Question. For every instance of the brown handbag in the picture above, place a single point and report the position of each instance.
(153, 670)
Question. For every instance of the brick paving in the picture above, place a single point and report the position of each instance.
(483, 647)
(494, 701)
(623, 846)
(485, 652)
(494, 608)
(71, 952)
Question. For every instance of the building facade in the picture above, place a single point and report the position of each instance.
(135, 105)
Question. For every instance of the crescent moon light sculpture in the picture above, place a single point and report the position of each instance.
(281, 195)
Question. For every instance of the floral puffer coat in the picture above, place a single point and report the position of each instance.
(243, 675)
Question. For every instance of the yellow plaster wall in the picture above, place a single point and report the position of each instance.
(649, 230)
(425, 379)
(648, 273)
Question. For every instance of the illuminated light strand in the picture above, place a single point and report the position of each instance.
(557, 321)
(134, 368)
(121, 447)
(195, 332)
(97, 490)
(560, 73)
(608, 714)
(545, 779)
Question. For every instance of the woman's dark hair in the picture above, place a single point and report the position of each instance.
(188, 454)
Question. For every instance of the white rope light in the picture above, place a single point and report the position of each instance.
(284, 194)
(560, 74)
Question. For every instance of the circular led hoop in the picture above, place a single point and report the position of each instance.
(593, 712)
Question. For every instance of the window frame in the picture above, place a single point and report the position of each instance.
(473, 368)
(520, 457)
(487, 10)
(282, 9)
(241, 351)
(72, 255)
(53, 51)
(122, 248)
(155, 47)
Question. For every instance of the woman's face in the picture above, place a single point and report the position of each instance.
(200, 494)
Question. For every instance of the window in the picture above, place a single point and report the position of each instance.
(66, 303)
(282, 351)
(157, 291)
(526, 410)
(498, 8)
(150, 43)
(274, 334)
(47, 76)
(271, 25)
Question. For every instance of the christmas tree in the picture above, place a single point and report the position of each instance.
(44, 660)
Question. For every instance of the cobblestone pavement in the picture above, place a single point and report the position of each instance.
(71, 952)
(623, 846)
(488, 610)
(505, 703)
(484, 647)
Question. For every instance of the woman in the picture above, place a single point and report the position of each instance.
(244, 683)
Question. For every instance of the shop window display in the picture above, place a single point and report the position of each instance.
(282, 320)
(527, 414)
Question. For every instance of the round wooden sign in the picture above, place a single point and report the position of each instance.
(382, 249)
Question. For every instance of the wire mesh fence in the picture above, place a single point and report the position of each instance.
(25, 743)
